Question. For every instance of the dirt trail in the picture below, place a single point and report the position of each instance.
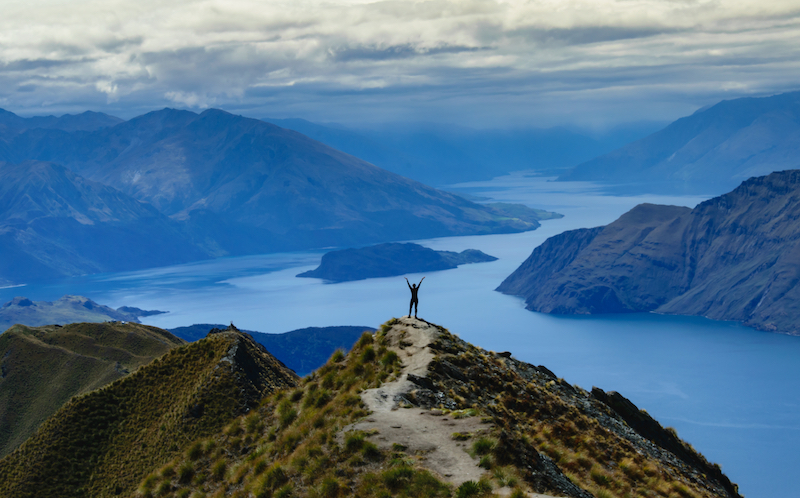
(427, 434)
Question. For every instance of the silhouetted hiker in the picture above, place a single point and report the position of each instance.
(414, 300)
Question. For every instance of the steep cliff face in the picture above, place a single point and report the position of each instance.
(733, 257)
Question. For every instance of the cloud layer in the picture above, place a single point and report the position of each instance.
(475, 62)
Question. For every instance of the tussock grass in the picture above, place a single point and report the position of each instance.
(105, 443)
(294, 448)
(539, 414)
(77, 358)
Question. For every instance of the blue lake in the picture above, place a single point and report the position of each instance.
(729, 390)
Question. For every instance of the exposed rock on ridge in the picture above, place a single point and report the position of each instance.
(544, 426)
(550, 427)
(733, 257)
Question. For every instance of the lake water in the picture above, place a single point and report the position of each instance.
(729, 390)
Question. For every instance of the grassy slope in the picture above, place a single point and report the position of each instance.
(104, 442)
(292, 445)
(289, 446)
(604, 451)
(43, 367)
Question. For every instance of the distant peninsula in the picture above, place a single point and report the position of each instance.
(389, 260)
(68, 309)
(733, 257)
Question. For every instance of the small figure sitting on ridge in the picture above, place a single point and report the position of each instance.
(414, 300)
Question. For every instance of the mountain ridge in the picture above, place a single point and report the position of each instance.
(225, 184)
(732, 257)
(708, 152)
(43, 367)
(104, 442)
(357, 425)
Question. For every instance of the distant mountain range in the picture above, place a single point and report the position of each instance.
(733, 257)
(56, 223)
(709, 152)
(87, 121)
(68, 309)
(440, 155)
(173, 186)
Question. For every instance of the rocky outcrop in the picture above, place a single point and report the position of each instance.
(667, 439)
(387, 260)
(733, 257)
(550, 428)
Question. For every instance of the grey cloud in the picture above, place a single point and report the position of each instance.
(584, 35)
(465, 62)
(36, 64)
(117, 45)
(376, 53)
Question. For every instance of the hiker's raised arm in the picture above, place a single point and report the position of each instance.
(420, 282)
(408, 283)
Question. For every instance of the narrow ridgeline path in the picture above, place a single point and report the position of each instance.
(426, 433)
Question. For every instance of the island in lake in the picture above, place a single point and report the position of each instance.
(389, 260)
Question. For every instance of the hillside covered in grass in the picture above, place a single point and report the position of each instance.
(41, 368)
(105, 442)
(353, 428)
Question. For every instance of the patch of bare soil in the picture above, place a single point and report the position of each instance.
(427, 434)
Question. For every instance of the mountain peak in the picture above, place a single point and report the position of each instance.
(104, 442)
(483, 421)
(708, 152)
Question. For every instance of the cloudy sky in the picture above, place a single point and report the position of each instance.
(481, 63)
